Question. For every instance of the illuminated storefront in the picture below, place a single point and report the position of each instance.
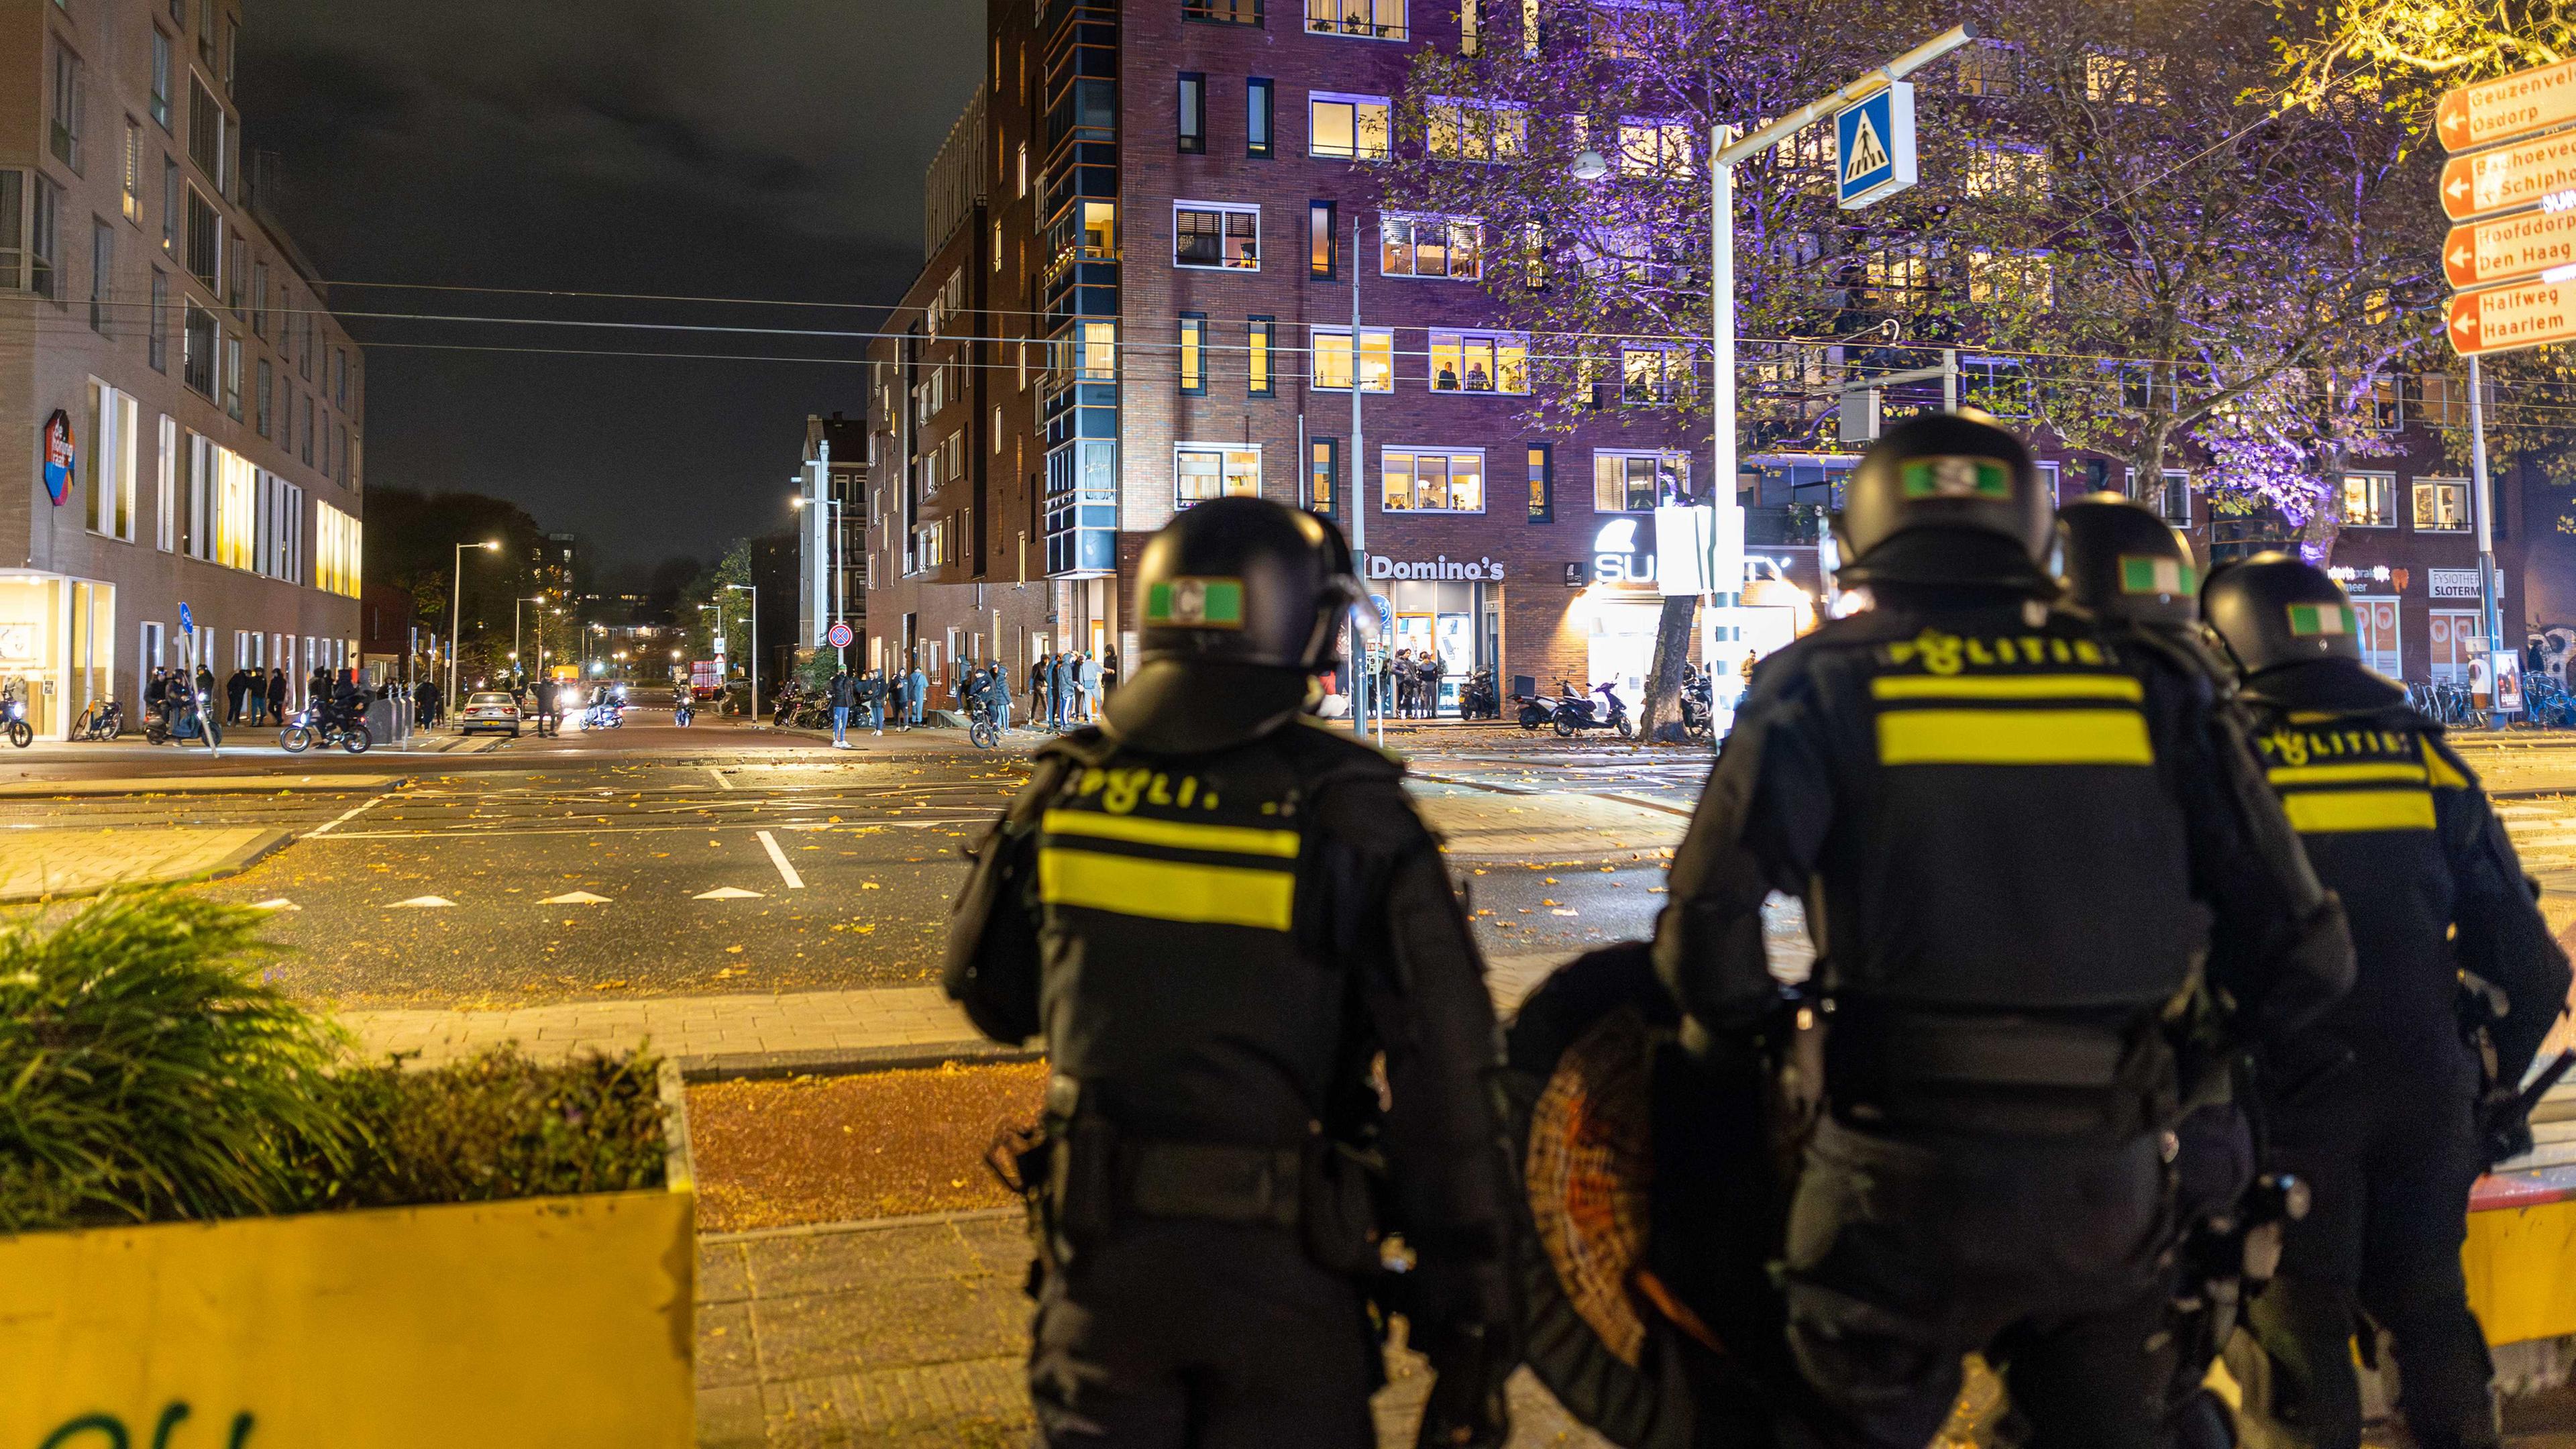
(57, 646)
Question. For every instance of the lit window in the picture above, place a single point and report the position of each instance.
(1332, 360)
(2017, 171)
(1100, 230)
(1654, 148)
(1369, 19)
(2441, 505)
(335, 550)
(1256, 117)
(1431, 246)
(1322, 238)
(1630, 482)
(1479, 362)
(1634, 29)
(1193, 353)
(2369, 500)
(1323, 467)
(2124, 79)
(1542, 483)
(1990, 68)
(1653, 376)
(2018, 278)
(1225, 12)
(1459, 130)
(1099, 352)
(1205, 234)
(1261, 340)
(1203, 471)
(1423, 481)
(1347, 128)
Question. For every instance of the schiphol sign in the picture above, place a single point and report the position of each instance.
(1442, 568)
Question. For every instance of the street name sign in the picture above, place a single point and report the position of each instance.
(1874, 146)
(2509, 248)
(2509, 106)
(2508, 178)
(2516, 315)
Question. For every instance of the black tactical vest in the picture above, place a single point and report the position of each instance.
(1179, 984)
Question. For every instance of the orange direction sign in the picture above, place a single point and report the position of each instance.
(2509, 247)
(2519, 314)
(2508, 178)
(2508, 106)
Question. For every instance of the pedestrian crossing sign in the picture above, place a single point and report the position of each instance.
(1874, 146)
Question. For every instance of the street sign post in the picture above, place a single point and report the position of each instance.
(2508, 178)
(2509, 248)
(2508, 106)
(2516, 315)
(1874, 146)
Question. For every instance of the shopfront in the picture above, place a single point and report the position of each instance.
(1450, 608)
(57, 646)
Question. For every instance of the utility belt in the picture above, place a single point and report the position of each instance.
(2012, 1074)
(1084, 1179)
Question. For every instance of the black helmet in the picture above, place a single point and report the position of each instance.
(2123, 562)
(1240, 602)
(1946, 498)
(2273, 610)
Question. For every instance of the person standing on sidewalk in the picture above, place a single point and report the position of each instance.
(844, 694)
(1090, 668)
(1037, 691)
(1108, 672)
(1060, 705)
(1218, 916)
(916, 693)
(277, 696)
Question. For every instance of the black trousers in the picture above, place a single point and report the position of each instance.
(1200, 1335)
(1907, 1251)
(2390, 1152)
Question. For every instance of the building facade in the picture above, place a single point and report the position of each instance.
(185, 409)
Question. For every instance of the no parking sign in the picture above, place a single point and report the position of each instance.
(839, 636)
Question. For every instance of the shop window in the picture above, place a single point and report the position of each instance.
(1194, 354)
(1202, 471)
(1542, 483)
(1260, 357)
(1431, 246)
(1638, 482)
(1212, 235)
(2369, 500)
(1495, 362)
(1426, 481)
(1348, 128)
(2442, 505)
(1323, 468)
(1332, 359)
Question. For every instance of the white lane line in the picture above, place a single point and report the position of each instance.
(720, 777)
(778, 858)
(346, 816)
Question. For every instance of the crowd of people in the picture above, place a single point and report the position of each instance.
(1064, 692)
(1411, 679)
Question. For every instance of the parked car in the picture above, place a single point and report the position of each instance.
(489, 710)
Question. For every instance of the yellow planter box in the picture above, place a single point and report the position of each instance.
(2521, 1264)
(560, 1321)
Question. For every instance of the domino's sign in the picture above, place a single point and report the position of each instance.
(1874, 146)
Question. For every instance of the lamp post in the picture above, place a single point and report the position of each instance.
(515, 644)
(456, 606)
(722, 692)
(832, 561)
(754, 591)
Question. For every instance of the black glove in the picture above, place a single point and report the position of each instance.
(1467, 1408)
(2504, 1125)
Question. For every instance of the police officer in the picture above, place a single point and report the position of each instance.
(2377, 1106)
(2124, 565)
(2009, 827)
(1218, 913)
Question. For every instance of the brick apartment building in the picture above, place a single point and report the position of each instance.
(185, 406)
(1144, 238)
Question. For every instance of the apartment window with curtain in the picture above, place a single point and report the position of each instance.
(1542, 483)
(1201, 471)
(1193, 363)
(165, 488)
(130, 174)
(2369, 500)
(157, 347)
(1193, 113)
(1257, 118)
(1323, 233)
(114, 443)
(232, 376)
(1448, 247)
(70, 99)
(1323, 468)
(1638, 482)
(1260, 336)
(2442, 505)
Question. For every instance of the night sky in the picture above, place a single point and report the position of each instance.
(766, 149)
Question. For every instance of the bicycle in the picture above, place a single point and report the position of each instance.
(303, 731)
(99, 720)
(984, 731)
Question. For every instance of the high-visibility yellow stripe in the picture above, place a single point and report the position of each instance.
(2014, 737)
(1167, 890)
(1178, 834)
(2330, 812)
(2007, 686)
(2343, 774)
(2444, 776)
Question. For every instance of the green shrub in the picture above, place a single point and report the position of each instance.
(147, 1073)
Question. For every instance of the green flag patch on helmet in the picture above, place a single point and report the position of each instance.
(1956, 477)
(1194, 603)
(2139, 575)
(2309, 621)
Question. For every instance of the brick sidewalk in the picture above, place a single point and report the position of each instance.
(50, 864)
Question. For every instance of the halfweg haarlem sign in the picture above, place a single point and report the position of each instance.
(2515, 105)
(2521, 314)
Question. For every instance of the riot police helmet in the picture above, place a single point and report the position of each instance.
(2124, 563)
(1241, 602)
(1946, 499)
(2274, 610)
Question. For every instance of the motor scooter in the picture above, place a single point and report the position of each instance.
(1575, 714)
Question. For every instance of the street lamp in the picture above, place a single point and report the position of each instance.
(832, 559)
(456, 606)
(540, 601)
(754, 591)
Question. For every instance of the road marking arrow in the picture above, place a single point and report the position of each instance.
(423, 902)
(727, 893)
(575, 898)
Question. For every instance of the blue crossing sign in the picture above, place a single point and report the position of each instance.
(1874, 146)
(187, 622)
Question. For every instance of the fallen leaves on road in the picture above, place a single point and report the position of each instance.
(836, 1149)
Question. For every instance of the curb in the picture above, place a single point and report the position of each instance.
(234, 862)
(203, 785)
(847, 1061)
(862, 1225)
